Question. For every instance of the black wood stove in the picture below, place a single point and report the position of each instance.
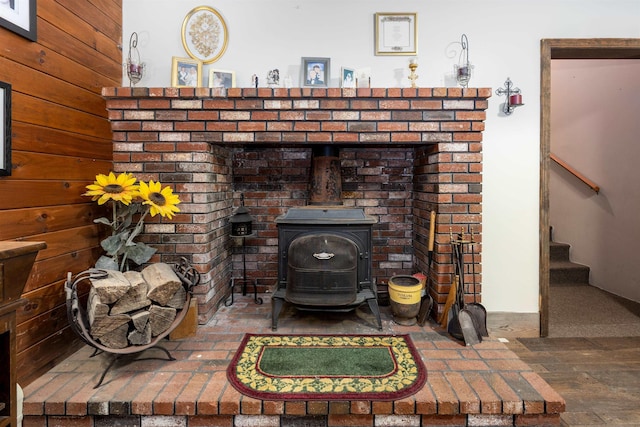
(325, 260)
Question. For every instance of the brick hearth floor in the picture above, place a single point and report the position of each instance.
(483, 385)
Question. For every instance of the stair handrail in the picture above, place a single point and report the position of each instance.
(595, 187)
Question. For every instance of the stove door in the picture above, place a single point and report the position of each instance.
(322, 270)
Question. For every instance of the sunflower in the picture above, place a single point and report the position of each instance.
(160, 200)
(119, 188)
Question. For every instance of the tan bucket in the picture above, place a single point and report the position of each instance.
(405, 293)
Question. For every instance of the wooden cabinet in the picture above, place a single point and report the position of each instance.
(16, 260)
(7, 359)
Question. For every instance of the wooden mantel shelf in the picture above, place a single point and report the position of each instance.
(296, 92)
(14, 248)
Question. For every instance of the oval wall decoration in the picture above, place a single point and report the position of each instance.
(204, 34)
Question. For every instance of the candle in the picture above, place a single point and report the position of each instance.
(463, 71)
(413, 61)
(134, 68)
(515, 99)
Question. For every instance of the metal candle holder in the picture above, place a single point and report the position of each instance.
(514, 98)
(463, 68)
(135, 68)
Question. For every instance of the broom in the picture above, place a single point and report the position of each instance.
(451, 298)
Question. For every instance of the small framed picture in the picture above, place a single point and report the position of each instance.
(316, 72)
(396, 34)
(186, 72)
(348, 78)
(5, 128)
(222, 78)
(19, 16)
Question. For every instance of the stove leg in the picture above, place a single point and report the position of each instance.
(276, 308)
(373, 306)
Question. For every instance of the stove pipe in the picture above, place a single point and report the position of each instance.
(326, 178)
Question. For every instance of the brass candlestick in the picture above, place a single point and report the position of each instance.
(413, 76)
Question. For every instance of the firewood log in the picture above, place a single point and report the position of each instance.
(104, 324)
(135, 298)
(140, 337)
(111, 287)
(116, 338)
(163, 282)
(161, 318)
(140, 319)
(178, 299)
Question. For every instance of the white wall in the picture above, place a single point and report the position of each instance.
(595, 128)
(504, 41)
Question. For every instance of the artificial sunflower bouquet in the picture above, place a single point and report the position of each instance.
(129, 199)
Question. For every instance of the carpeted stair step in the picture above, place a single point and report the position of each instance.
(558, 251)
(567, 273)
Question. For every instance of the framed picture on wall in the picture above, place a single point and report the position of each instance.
(19, 16)
(316, 72)
(5, 128)
(186, 72)
(348, 78)
(222, 78)
(204, 34)
(396, 34)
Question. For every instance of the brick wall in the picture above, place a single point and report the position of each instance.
(404, 153)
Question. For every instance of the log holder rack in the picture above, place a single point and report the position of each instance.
(79, 321)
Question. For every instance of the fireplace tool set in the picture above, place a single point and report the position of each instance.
(464, 321)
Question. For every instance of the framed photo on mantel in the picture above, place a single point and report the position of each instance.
(186, 72)
(222, 78)
(316, 72)
(348, 78)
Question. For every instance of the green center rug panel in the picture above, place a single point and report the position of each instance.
(327, 367)
(327, 361)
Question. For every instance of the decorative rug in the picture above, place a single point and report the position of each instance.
(327, 367)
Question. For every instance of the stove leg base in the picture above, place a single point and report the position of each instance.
(277, 301)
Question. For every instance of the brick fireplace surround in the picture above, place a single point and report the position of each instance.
(403, 153)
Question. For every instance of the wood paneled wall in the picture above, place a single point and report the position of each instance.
(61, 138)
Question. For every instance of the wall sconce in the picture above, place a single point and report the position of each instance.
(463, 68)
(514, 98)
(135, 68)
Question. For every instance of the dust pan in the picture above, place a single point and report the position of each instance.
(477, 310)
